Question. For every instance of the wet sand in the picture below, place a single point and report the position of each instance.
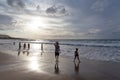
(44, 67)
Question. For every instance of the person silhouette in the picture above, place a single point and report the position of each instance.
(57, 51)
(28, 46)
(76, 55)
(24, 46)
(76, 67)
(57, 71)
(13, 43)
(20, 45)
(41, 47)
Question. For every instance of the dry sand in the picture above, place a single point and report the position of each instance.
(37, 67)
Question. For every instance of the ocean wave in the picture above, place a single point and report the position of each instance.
(92, 45)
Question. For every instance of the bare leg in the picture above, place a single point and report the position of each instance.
(57, 58)
(74, 58)
(78, 58)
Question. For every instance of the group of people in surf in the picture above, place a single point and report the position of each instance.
(25, 46)
(57, 50)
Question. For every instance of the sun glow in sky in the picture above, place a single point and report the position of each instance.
(59, 19)
(35, 24)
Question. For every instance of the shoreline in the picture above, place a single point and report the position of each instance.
(44, 67)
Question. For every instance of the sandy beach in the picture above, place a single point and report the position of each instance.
(44, 67)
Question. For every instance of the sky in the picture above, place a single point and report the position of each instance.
(60, 19)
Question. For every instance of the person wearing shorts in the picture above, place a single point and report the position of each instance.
(57, 51)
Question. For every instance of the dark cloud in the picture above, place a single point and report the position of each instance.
(4, 20)
(63, 11)
(56, 10)
(51, 10)
(16, 3)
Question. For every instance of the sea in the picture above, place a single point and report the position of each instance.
(93, 49)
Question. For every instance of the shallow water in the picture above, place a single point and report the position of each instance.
(105, 50)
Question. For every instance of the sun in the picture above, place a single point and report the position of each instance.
(35, 24)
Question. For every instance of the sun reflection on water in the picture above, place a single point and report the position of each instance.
(36, 46)
(34, 60)
(34, 63)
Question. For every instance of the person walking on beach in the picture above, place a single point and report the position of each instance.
(57, 50)
(76, 55)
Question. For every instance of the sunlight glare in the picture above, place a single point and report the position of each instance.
(34, 65)
(36, 46)
(35, 24)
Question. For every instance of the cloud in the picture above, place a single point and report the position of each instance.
(56, 10)
(19, 4)
(93, 31)
(51, 10)
(38, 8)
(100, 5)
(3, 5)
(5, 20)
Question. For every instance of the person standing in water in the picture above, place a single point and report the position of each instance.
(57, 50)
(76, 55)
(20, 45)
(13, 43)
(41, 47)
(28, 46)
(24, 46)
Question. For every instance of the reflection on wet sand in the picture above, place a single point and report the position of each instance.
(28, 53)
(19, 52)
(76, 67)
(41, 53)
(34, 60)
(57, 71)
(34, 63)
